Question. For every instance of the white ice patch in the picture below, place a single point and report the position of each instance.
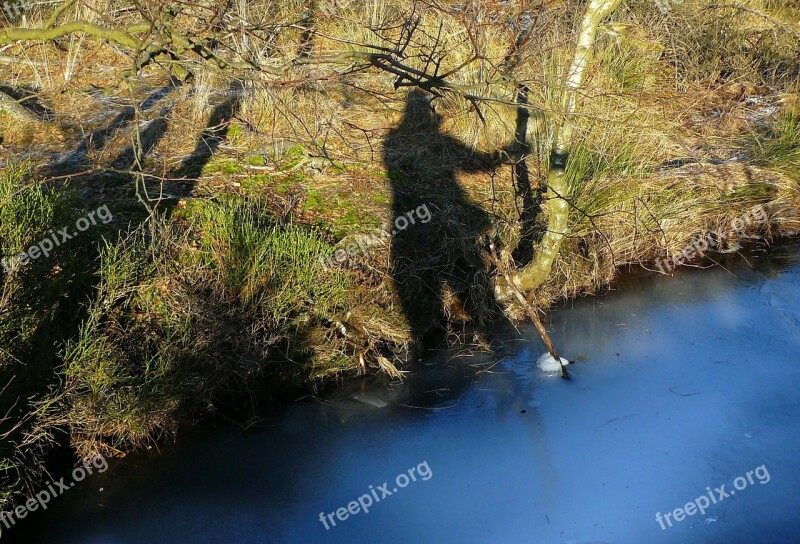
(732, 248)
(370, 400)
(547, 363)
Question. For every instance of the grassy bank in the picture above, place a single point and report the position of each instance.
(245, 260)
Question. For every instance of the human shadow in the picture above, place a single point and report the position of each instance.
(28, 100)
(437, 261)
(78, 260)
(124, 174)
(78, 160)
(215, 133)
(61, 285)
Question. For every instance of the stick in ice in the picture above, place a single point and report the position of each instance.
(547, 363)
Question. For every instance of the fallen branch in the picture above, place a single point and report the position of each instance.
(531, 310)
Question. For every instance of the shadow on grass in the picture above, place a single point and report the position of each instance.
(215, 133)
(437, 266)
(44, 305)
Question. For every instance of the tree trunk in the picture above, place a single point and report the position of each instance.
(533, 275)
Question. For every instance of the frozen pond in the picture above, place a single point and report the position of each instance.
(689, 383)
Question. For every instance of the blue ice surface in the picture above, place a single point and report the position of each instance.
(688, 382)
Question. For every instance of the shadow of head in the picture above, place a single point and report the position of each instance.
(419, 113)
